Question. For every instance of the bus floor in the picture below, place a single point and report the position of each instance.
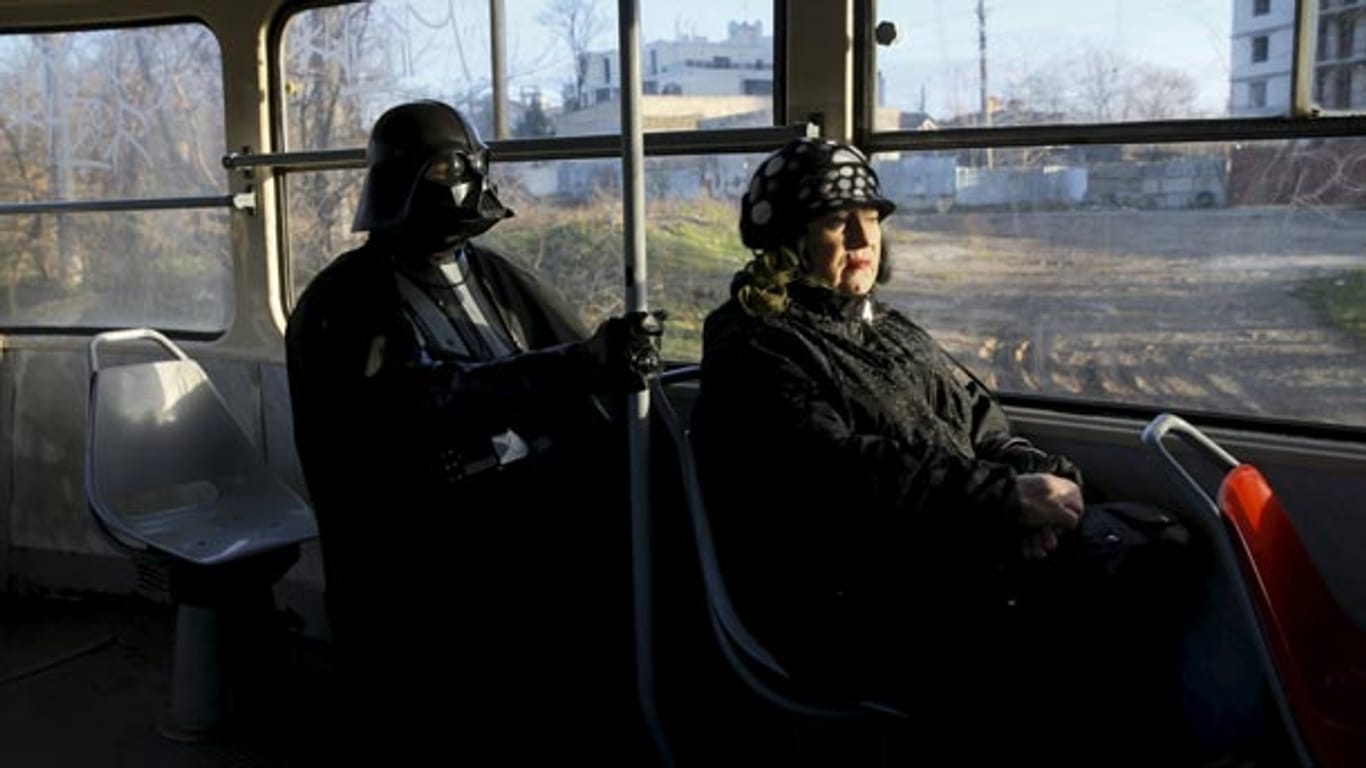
(85, 680)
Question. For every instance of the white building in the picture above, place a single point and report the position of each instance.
(1263, 44)
(1262, 52)
(742, 64)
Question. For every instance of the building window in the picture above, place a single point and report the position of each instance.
(1256, 93)
(606, 70)
(1261, 7)
(1342, 90)
(654, 61)
(1260, 47)
(1346, 33)
(757, 87)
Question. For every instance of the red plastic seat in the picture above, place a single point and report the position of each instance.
(1318, 651)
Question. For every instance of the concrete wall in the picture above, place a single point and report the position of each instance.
(1050, 186)
(919, 181)
(1192, 182)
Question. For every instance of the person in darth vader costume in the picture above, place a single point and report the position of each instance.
(453, 419)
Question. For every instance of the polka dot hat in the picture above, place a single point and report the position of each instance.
(804, 179)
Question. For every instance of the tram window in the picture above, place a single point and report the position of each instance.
(568, 227)
(322, 205)
(344, 65)
(105, 115)
(1210, 276)
(1110, 61)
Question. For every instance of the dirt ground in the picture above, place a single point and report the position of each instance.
(1188, 310)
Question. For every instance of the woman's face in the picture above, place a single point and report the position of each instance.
(844, 248)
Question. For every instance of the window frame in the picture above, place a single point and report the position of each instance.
(656, 143)
(228, 201)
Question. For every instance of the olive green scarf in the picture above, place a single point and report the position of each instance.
(763, 284)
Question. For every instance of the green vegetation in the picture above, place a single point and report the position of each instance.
(693, 247)
(1340, 298)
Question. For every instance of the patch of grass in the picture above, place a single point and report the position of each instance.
(1340, 299)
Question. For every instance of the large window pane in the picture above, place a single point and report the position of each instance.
(568, 228)
(1220, 277)
(102, 115)
(1062, 62)
(165, 269)
(704, 65)
(321, 208)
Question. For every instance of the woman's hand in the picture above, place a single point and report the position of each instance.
(1048, 505)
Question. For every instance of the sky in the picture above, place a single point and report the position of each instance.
(938, 44)
(936, 54)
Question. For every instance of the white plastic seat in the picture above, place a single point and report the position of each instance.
(171, 476)
(169, 468)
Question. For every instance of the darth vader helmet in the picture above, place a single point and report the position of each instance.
(428, 174)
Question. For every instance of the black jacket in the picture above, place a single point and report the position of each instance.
(394, 429)
(850, 467)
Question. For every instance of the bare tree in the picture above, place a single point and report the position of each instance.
(336, 61)
(1159, 93)
(577, 23)
(1100, 85)
(1040, 89)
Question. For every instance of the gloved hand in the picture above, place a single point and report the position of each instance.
(1025, 458)
(624, 352)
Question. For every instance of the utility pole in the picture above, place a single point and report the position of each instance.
(984, 100)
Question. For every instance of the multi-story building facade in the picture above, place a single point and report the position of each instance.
(1262, 49)
(1340, 55)
(1263, 41)
(742, 64)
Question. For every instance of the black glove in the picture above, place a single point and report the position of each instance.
(624, 352)
(1026, 459)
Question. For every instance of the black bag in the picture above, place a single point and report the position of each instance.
(1109, 609)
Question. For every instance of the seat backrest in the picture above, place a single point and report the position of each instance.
(747, 657)
(169, 468)
(1313, 655)
(1318, 650)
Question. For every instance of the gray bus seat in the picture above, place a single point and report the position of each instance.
(747, 657)
(171, 476)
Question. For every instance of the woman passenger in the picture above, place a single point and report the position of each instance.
(880, 525)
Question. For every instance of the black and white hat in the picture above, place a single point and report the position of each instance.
(805, 179)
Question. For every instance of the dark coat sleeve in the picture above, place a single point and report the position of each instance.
(992, 438)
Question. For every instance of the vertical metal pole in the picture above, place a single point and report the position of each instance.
(638, 405)
(498, 50)
(983, 95)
